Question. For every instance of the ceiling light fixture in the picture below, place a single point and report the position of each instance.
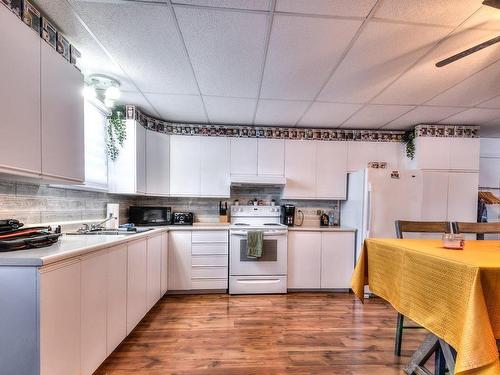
(107, 89)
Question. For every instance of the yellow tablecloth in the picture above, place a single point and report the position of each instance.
(455, 294)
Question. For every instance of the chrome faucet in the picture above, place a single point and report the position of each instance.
(94, 227)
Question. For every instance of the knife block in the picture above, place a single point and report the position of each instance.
(223, 219)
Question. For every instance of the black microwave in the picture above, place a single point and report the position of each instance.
(142, 215)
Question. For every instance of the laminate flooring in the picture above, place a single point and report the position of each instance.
(297, 333)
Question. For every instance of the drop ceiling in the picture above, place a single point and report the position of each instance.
(366, 64)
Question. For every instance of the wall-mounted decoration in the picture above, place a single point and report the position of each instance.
(15, 6)
(63, 46)
(74, 55)
(271, 132)
(460, 131)
(31, 16)
(49, 33)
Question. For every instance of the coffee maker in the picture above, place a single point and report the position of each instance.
(288, 214)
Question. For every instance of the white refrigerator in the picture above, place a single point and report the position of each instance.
(376, 198)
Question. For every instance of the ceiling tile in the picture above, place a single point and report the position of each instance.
(382, 52)
(328, 115)
(423, 115)
(302, 54)
(438, 12)
(182, 108)
(425, 80)
(230, 110)
(375, 116)
(144, 41)
(94, 59)
(226, 49)
(474, 90)
(345, 8)
(235, 4)
(474, 116)
(492, 103)
(279, 112)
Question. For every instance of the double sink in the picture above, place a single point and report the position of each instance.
(109, 232)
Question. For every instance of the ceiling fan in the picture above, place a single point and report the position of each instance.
(478, 47)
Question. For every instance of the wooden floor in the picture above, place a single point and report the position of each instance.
(300, 333)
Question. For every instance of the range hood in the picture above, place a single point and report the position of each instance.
(257, 180)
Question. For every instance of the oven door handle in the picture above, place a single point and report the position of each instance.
(268, 234)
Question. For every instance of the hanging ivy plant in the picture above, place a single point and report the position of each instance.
(116, 132)
(409, 140)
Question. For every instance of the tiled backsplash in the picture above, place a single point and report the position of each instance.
(33, 204)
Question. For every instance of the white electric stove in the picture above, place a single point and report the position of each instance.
(266, 274)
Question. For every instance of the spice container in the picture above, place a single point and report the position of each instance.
(453, 241)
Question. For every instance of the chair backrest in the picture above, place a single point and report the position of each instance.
(421, 227)
(478, 228)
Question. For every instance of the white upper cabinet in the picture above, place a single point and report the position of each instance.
(257, 157)
(199, 166)
(185, 167)
(244, 156)
(300, 169)
(315, 170)
(20, 96)
(271, 157)
(464, 153)
(62, 118)
(447, 153)
(214, 167)
(331, 170)
(157, 163)
(127, 174)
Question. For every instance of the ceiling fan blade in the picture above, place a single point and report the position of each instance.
(492, 3)
(467, 52)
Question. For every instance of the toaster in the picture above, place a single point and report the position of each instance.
(182, 218)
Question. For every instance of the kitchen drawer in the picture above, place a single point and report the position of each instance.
(209, 260)
(209, 272)
(207, 283)
(210, 248)
(210, 236)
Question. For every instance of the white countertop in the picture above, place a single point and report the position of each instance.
(321, 229)
(70, 246)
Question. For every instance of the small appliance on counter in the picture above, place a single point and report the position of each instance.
(288, 214)
(183, 218)
(148, 216)
(324, 220)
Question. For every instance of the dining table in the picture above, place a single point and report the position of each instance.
(454, 294)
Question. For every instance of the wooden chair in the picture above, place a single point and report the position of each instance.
(414, 227)
(480, 229)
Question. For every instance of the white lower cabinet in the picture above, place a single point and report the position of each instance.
(179, 260)
(198, 260)
(94, 270)
(154, 270)
(320, 259)
(164, 264)
(304, 260)
(117, 297)
(337, 259)
(60, 319)
(137, 281)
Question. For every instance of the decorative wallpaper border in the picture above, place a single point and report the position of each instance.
(270, 132)
(457, 131)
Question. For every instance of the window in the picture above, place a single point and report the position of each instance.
(96, 160)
